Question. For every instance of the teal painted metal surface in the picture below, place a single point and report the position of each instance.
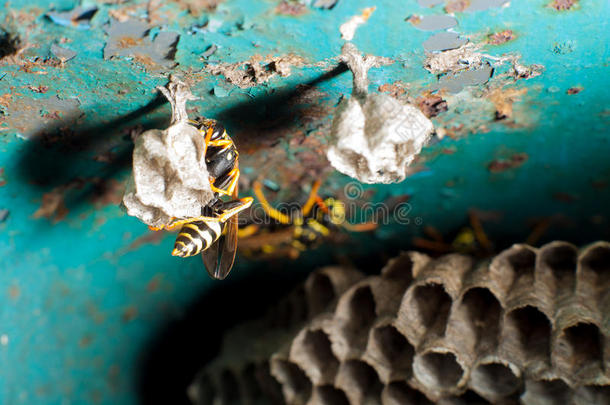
(93, 309)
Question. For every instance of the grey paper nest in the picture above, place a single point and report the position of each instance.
(530, 326)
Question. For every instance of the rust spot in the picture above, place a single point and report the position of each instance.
(501, 37)
(14, 292)
(196, 7)
(503, 100)
(431, 104)
(154, 283)
(106, 192)
(563, 5)
(144, 59)
(85, 341)
(500, 165)
(150, 237)
(39, 89)
(456, 6)
(52, 206)
(414, 19)
(564, 197)
(2, 181)
(395, 89)
(574, 90)
(129, 314)
(291, 8)
(599, 184)
(128, 42)
(5, 99)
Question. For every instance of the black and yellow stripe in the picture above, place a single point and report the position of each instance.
(195, 237)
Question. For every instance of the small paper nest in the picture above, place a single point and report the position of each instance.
(170, 178)
(374, 137)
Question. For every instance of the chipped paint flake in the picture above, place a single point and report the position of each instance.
(348, 29)
(132, 39)
(257, 70)
(443, 41)
(433, 22)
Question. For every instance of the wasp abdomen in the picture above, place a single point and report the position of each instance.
(195, 237)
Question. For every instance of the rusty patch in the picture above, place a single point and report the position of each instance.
(107, 192)
(129, 314)
(574, 90)
(128, 42)
(456, 6)
(563, 5)
(501, 37)
(503, 100)
(395, 89)
(85, 341)
(431, 104)
(39, 89)
(14, 292)
(291, 8)
(500, 165)
(154, 283)
(256, 70)
(414, 19)
(197, 7)
(2, 180)
(150, 237)
(564, 197)
(53, 203)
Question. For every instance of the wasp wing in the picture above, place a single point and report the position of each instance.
(218, 259)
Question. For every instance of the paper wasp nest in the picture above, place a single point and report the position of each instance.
(531, 326)
(170, 177)
(374, 137)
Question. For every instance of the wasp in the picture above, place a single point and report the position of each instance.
(313, 222)
(214, 233)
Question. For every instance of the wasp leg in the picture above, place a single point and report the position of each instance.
(234, 175)
(247, 231)
(269, 210)
(479, 232)
(312, 198)
(362, 227)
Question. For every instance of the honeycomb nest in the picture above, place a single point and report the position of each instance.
(531, 326)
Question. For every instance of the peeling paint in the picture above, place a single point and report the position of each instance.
(433, 22)
(256, 70)
(348, 29)
(132, 39)
(443, 41)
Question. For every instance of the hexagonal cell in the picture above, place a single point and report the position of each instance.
(320, 294)
(528, 332)
(432, 305)
(360, 317)
(250, 386)
(438, 371)
(329, 395)
(546, 392)
(481, 311)
(578, 350)
(202, 391)
(467, 398)
(513, 269)
(592, 395)
(399, 393)
(269, 386)
(559, 258)
(318, 354)
(296, 386)
(401, 267)
(594, 271)
(360, 382)
(291, 310)
(392, 349)
(495, 380)
(229, 388)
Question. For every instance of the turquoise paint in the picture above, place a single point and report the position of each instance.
(88, 319)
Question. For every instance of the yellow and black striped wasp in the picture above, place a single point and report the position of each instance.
(214, 233)
(315, 221)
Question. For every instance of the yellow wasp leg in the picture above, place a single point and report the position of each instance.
(312, 198)
(272, 212)
(363, 227)
(247, 231)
